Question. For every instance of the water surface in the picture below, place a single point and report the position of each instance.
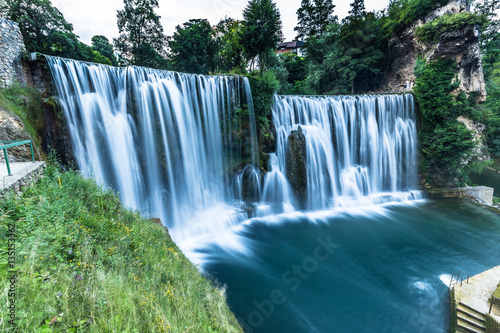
(378, 269)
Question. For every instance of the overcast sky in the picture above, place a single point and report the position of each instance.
(98, 17)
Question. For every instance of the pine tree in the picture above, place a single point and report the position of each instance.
(314, 17)
(357, 10)
(141, 37)
(261, 29)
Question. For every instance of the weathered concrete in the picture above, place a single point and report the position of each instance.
(477, 292)
(481, 194)
(22, 174)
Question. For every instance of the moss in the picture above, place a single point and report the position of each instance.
(296, 171)
(453, 312)
(492, 325)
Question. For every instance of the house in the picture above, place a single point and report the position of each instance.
(290, 47)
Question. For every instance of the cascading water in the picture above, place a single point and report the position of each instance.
(358, 148)
(169, 142)
(162, 139)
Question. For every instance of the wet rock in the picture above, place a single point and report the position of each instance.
(296, 165)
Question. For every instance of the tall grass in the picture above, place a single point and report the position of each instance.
(86, 264)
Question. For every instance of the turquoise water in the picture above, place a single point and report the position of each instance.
(379, 269)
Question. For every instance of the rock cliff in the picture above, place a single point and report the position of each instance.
(461, 45)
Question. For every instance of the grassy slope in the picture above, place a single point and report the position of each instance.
(96, 267)
(26, 103)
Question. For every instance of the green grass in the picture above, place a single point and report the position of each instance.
(86, 264)
(26, 103)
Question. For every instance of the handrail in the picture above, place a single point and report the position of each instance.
(457, 279)
(10, 144)
(460, 272)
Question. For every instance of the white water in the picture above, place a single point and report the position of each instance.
(165, 142)
(360, 150)
(159, 138)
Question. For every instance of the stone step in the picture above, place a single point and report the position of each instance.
(470, 309)
(467, 329)
(464, 314)
(471, 324)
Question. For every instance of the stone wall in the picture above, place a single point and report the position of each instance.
(11, 47)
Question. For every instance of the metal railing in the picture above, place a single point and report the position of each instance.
(9, 144)
(459, 278)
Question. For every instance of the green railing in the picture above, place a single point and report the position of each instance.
(9, 144)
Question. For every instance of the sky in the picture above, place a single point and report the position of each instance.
(98, 17)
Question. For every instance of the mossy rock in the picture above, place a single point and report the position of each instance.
(296, 165)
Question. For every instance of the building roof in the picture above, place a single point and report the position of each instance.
(292, 45)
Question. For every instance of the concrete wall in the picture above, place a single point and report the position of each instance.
(11, 47)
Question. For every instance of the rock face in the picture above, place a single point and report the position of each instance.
(12, 129)
(296, 165)
(462, 46)
(481, 151)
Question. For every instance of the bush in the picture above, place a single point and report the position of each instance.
(446, 144)
(432, 31)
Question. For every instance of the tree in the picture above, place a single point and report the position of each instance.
(41, 24)
(102, 45)
(357, 10)
(314, 17)
(231, 53)
(445, 143)
(261, 29)
(193, 47)
(141, 39)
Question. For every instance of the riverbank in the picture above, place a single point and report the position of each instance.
(470, 303)
(81, 261)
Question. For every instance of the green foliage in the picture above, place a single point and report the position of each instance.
(39, 22)
(45, 30)
(141, 39)
(446, 144)
(349, 57)
(85, 263)
(193, 47)
(230, 50)
(102, 45)
(261, 30)
(314, 18)
(432, 30)
(402, 13)
(263, 89)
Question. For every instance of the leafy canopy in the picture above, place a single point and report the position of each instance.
(141, 39)
(261, 29)
(193, 47)
(314, 17)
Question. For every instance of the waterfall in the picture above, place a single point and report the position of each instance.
(163, 140)
(359, 149)
(183, 147)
